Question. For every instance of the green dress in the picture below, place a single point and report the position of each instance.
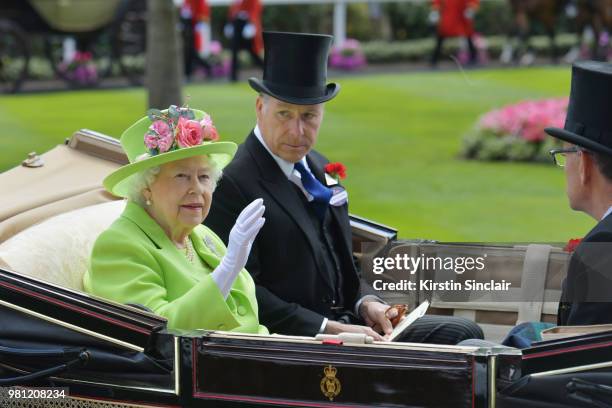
(134, 261)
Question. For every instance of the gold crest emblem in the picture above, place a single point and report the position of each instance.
(330, 385)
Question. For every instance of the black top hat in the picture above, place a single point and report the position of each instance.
(295, 68)
(589, 116)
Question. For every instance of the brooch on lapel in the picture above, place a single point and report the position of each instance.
(334, 172)
(208, 242)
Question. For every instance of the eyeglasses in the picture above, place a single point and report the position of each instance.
(559, 155)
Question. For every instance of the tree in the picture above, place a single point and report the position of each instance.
(164, 55)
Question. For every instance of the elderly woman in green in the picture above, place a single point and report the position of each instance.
(157, 253)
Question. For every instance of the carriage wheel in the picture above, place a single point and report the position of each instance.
(129, 42)
(81, 73)
(14, 57)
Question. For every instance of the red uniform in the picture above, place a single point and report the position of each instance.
(198, 11)
(453, 22)
(253, 8)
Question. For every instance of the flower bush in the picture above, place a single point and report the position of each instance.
(219, 62)
(348, 56)
(516, 132)
(81, 70)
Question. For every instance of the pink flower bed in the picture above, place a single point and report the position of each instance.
(81, 70)
(516, 132)
(527, 119)
(348, 56)
(220, 65)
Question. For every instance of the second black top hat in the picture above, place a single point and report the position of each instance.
(589, 120)
(295, 68)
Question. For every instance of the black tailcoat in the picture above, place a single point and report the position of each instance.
(294, 291)
(587, 291)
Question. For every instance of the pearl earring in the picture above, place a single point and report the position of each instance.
(148, 202)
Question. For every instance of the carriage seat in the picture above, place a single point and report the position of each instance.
(57, 250)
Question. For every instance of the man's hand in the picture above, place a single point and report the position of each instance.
(374, 314)
(334, 327)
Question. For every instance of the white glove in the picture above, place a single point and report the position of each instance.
(249, 31)
(241, 238)
(434, 17)
(202, 30)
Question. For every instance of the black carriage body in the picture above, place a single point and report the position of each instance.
(570, 372)
(286, 371)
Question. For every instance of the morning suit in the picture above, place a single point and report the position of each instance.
(289, 261)
(303, 267)
(586, 297)
(134, 261)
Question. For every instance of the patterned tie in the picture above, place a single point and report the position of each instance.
(321, 194)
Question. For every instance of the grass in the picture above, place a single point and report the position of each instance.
(397, 134)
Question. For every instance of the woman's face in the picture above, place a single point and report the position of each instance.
(181, 194)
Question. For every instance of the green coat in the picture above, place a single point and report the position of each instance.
(134, 261)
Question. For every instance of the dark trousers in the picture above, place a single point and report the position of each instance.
(433, 329)
(239, 43)
(438, 50)
(191, 58)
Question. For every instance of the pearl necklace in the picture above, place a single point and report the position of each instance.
(189, 250)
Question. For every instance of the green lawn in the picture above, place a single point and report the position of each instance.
(397, 134)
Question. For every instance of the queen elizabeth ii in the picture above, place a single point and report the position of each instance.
(157, 254)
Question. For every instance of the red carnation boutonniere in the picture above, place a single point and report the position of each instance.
(336, 170)
(572, 244)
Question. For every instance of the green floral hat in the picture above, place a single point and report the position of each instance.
(164, 136)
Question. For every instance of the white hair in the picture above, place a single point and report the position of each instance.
(144, 179)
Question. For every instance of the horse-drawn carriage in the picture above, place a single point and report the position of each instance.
(102, 354)
(105, 33)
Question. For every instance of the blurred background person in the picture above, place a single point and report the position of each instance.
(454, 18)
(195, 28)
(244, 31)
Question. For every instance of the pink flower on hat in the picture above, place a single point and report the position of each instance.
(160, 127)
(159, 136)
(165, 143)
(177, 128)
(209, 132)
(188, 133)
(150, 141)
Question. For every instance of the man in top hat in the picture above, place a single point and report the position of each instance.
(302, 264)
(586, 156)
